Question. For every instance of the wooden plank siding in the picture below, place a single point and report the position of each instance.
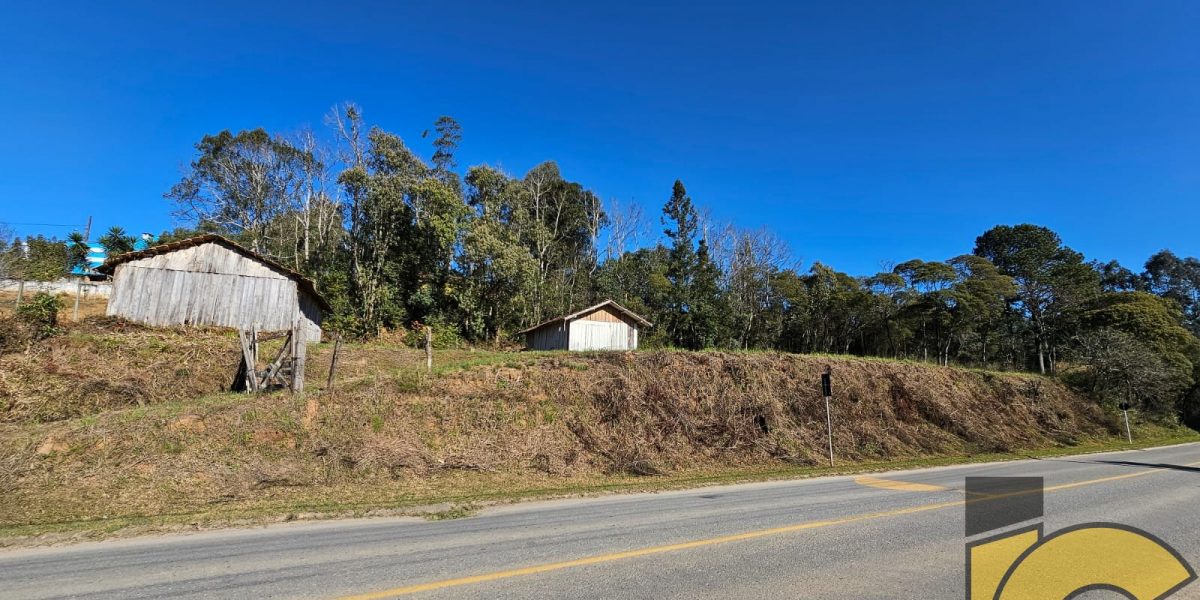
(588, 334)
(605, 314)
(602, 329)
(211, 285)
(552, 336)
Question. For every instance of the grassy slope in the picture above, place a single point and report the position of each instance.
(81, 454)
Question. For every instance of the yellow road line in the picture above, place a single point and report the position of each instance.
(750, 535)
(894, 484)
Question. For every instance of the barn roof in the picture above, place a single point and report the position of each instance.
(302, 282)
(579, 313)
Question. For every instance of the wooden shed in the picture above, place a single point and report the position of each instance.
(209, 280)
(605, 326)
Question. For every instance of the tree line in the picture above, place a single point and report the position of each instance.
(395, 239)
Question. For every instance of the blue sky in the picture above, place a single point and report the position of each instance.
(860, 132)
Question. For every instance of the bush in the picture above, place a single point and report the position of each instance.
(40, 314)
(444, 337)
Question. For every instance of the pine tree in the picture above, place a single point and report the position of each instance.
(693, 310)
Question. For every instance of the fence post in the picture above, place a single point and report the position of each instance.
(300, 349)
(428, 348)
(337, 347)
(20, 292)
(78, 293)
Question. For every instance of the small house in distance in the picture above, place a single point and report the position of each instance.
(605, 326)
(209, 280)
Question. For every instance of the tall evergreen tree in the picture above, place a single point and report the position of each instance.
(679, 217)
(1052, 281)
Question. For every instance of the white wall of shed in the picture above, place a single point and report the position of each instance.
(586, 334)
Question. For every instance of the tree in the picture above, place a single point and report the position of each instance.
(311, 230)
(77, 251)
(1120, 368)
(241, 183)
(980, 296)
(1156, 346)
(557, 220)
(404, 224)
(928, 301)
(756, 258)
(1052, 281)
(1116, 278)
(638, 281)
(449, 137)
(683, 270)
(10, 255)
(115, 241)
(496, 271)
(1179, 280)
(824, 311)
(39, 258)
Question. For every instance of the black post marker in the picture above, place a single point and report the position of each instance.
(827, 391)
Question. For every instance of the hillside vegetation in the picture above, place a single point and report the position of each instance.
(110, 424)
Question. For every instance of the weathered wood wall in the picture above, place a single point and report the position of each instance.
(210, 285)
(587, 334)
(602, 329)
(548, 337)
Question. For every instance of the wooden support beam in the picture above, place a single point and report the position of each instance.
(248, 360)
(277, 364)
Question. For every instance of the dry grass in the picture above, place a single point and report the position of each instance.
(89, 306)
(102, 364)
(148, 441)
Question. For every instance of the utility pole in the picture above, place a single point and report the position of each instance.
(87, 231)
(827, 391)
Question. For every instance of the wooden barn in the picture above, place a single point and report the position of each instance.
(209, 280)
(605, 326)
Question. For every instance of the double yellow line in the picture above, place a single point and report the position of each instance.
(749, 535)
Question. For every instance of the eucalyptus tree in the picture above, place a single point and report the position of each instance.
(241, 183)
(498, 273)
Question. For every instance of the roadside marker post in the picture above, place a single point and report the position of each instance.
(827, 391)
(1125, 413)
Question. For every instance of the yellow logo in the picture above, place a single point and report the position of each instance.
(1024, 564)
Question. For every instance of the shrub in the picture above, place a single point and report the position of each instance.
(40, 314)
(444, 337)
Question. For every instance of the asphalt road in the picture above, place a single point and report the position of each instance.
(894, 535)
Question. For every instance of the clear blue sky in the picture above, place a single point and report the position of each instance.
(860, 132)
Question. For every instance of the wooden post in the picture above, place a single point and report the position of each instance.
(254, 342)
(428, 348)
(273, 368)
(299, 350)
(251, 378)
(20, 291)
(78, 293)
(337, 347)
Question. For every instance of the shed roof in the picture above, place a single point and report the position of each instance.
(302, 282)
(579, 313)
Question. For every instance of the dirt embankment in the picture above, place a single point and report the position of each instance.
(114, 421)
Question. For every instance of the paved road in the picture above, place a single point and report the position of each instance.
(896, 535)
